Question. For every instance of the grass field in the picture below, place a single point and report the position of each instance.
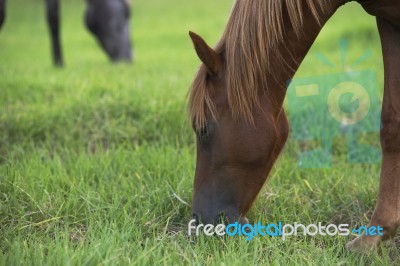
(97, 160)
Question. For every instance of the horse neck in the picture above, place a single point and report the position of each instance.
(295, 49)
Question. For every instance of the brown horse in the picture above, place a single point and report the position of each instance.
(236, 100)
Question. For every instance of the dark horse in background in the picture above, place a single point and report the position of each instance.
(236, 105)
(107, 20)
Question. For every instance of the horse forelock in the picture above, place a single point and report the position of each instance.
(255, 31)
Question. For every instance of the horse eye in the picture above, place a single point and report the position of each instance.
(203, 131)
(203, 134)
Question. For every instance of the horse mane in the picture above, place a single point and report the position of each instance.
(254, 32)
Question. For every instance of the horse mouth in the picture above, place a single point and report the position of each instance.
(221, 218)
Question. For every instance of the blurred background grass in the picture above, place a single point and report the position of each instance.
(97, 160)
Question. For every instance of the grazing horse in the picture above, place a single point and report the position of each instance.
(108, 20)
(235, 103)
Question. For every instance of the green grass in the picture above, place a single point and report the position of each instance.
(97, 160)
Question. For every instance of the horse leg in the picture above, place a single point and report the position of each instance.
(387, 210)
(2, 12)
(53, 20)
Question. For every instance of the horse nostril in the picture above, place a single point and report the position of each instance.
(196, 217)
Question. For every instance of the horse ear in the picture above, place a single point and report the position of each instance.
(206, 54)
